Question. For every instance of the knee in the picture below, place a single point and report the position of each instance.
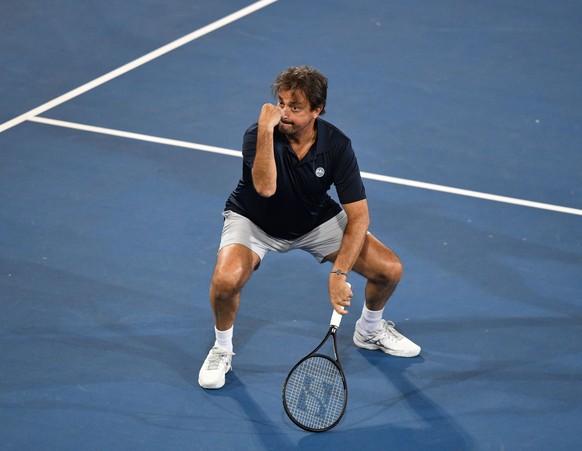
(390, 272)
(397, 270)
(226, 282)
(394, 271)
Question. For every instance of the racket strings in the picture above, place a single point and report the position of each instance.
(315, 393)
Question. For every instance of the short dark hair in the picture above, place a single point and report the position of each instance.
(309, 80)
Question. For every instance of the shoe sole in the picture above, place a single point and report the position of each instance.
(372, 347)
(215, 386)
(212, 387)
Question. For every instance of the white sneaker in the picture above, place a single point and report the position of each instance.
(213, 372)
(387, 339)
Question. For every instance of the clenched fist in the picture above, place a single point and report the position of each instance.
(270, 116)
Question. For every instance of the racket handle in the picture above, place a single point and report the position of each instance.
(336, 318)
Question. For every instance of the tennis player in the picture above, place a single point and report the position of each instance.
(291, 157)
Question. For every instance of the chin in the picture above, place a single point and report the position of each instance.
(286, 128)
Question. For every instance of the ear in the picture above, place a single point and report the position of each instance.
(315, 112)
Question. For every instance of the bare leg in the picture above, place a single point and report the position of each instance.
(234, 266)
(382, 269)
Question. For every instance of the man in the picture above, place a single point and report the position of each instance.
(291, 157)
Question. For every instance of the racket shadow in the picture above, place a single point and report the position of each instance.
(438, 430)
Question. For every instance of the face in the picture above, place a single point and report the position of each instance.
(297, 113)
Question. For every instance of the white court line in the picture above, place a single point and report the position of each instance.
(366, 175)
(468, 193)
(137, 136)
(137, 63)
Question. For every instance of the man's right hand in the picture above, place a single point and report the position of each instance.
(270, 116)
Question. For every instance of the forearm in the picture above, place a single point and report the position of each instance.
(351, 246)
(264, 169)
(352, 243)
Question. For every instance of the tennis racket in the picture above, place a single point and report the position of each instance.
(315, 393)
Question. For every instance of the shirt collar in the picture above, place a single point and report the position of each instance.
(321, 141)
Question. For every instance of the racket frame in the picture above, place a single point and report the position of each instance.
(334, 325)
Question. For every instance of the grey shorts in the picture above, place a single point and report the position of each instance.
(320, 242)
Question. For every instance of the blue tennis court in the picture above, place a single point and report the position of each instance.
(121, 127)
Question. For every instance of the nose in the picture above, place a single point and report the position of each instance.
(283, 111)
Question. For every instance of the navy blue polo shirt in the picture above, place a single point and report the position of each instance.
(301, 201)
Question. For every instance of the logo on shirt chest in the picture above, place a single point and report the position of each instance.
(319, 172)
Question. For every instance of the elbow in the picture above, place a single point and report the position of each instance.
(265, 184)
(265, 191)
(367, 222)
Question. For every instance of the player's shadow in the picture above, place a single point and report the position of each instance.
(437, 430)
(266, 430)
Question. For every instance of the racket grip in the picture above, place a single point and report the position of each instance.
(336, 318)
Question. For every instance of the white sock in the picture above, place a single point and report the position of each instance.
(224, 338)
(369, 322)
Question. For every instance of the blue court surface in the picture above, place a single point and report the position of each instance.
(121, 125)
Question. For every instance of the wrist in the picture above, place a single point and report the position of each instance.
(265, 127)
(339, 272)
